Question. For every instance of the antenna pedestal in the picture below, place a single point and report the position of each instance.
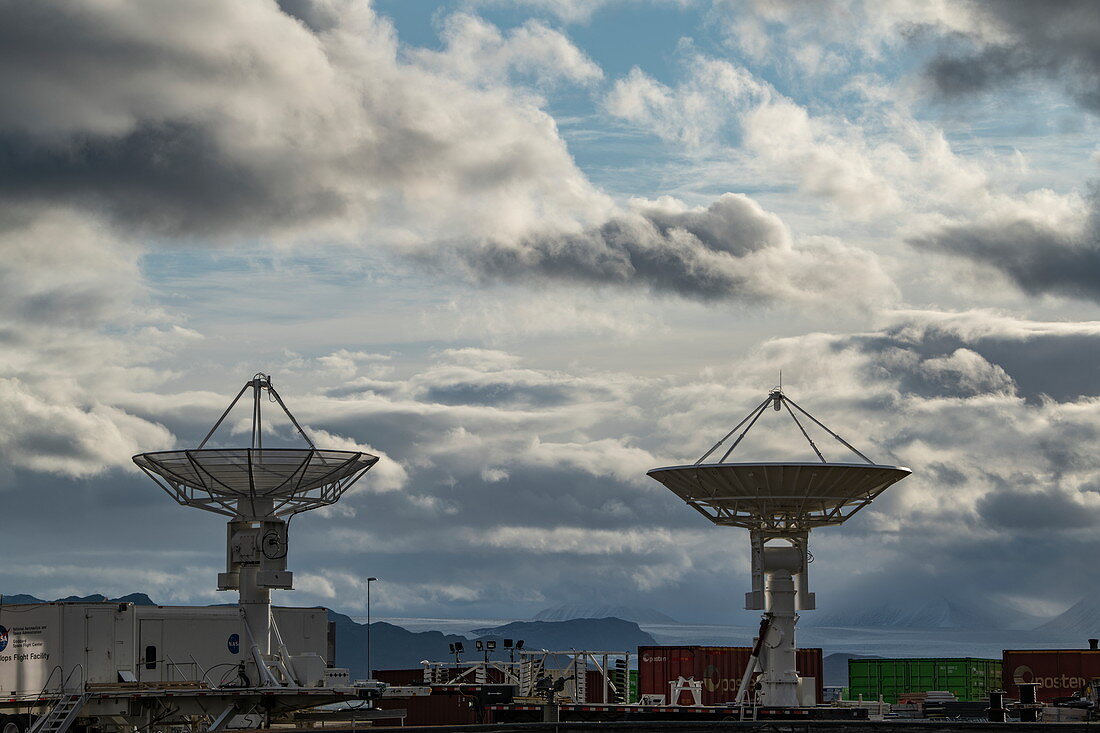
(795, 558)
(779, 680)
(781, 571)
(255, 565)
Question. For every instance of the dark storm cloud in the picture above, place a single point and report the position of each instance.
(497, 393)
(1035, 511)
(732, 250)
(1039, 257)
(1062, 366)
(1059, 40)
(171, 177)
(215, 119)
(663, 250)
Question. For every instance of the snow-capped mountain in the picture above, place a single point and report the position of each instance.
(931, 613)
(1082, 617)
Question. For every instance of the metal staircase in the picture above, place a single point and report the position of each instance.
(61, 716)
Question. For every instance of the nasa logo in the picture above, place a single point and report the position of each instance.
(3, 638)
(234, 643)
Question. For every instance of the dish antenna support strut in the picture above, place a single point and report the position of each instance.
(259, 489)
(779, 503)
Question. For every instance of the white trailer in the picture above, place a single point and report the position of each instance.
(117, 666)
(110, 643)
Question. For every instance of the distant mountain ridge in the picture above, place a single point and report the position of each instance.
(627, 613)
(1082, 617)
(603, 634)
(138, 599)
(391, 647)
(933, 613)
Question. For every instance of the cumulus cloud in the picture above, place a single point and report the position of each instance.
(230, 120)
(871, 160)
(732, 250)
(146, 124)
(1015, 39)
(823, 39)
(479, 53)
(952, 394)
(574, 11)
(521, 486)
(64, 279)
(219, 124)
(1050, 247)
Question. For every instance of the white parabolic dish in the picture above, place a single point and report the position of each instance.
(294, 478)
(778, 496)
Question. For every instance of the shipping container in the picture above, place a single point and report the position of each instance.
(1059, 672)
(434, 709)
(400, 677)
(719, 668)
(969, 678)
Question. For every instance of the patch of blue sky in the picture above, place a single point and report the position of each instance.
(246, 285)
(416, 21)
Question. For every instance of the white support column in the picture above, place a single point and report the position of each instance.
(255, 607)
(781, 571)
(779, 682)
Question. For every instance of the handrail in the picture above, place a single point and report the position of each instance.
(183, 678)
(83, 682)
(198, 666)
(57, 668)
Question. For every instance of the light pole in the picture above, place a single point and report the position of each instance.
(370, 674)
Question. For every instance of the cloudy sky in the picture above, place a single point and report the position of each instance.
(526, 251)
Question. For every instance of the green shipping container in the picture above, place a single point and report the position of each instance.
(969, 678)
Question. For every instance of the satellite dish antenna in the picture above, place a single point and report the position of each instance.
(259, 489)
(779, 503)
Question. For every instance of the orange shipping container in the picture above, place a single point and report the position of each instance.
(720, 669)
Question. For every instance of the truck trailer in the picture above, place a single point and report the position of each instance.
(116, 666)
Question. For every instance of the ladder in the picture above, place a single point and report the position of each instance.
(531, 668)
(61, 716)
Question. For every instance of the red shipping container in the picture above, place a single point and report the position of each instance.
(1059, 672)
(719, 668)
(400, 677)
(435, 709)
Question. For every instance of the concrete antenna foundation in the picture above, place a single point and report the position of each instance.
(779, 503)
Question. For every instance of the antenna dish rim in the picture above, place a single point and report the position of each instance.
(746, 464)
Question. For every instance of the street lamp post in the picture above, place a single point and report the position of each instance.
(370, 672)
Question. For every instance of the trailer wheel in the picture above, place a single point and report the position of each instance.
(13, 724)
